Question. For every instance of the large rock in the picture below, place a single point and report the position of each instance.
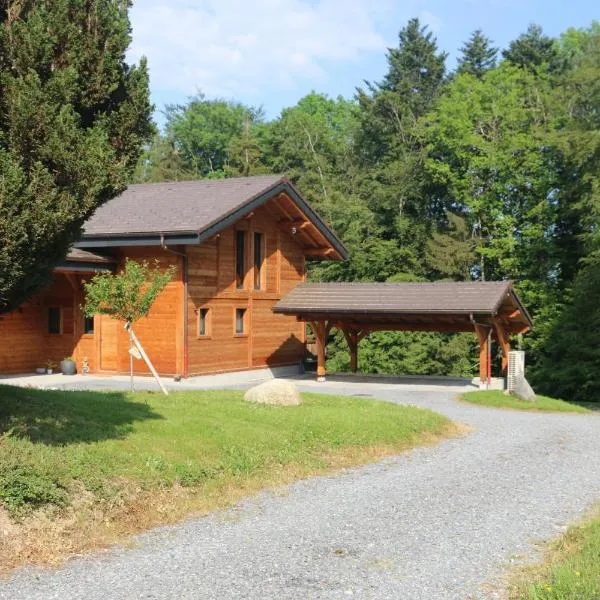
(277, 392)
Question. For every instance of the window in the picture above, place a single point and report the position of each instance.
(54, 320)
(240, 258)
(240, 315)
(88, 325)
(203, 330)
(258, 260)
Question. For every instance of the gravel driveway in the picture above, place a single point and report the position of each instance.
(437, 522)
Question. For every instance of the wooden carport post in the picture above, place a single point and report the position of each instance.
(321, 331)
(353, 337)
(484, 352)
(502, 337)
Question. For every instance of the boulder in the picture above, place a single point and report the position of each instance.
(276, 392)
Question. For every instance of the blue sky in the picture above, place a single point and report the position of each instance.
(270, 53)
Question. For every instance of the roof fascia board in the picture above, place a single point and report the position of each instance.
(88, 267)
(147, 240)
(379, 312)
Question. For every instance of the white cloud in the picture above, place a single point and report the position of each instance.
(431, 20)
(231, 48)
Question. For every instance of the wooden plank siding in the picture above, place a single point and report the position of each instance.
(270, 340)
(26, 343)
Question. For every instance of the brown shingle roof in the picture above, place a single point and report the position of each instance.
(189, 212)
(183, 206)
(395, 298)
(79, 255)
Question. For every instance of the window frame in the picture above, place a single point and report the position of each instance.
(262, 268)
(240, 278)
(244, 332)
(60, 320)
(87, 333)
(207, 323)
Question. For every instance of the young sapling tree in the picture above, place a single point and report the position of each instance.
(128, 296)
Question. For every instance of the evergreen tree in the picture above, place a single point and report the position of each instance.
(391, 145)
(532, 49)
(568, 361)
(73, 118)
(415, 69)
(478, 55)
(451, 249)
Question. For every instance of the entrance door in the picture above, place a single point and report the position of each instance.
(109, 329)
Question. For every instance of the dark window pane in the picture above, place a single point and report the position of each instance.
(53, 319)
(240, 258)
(258, 260)
(202, 325)
(239, 320)
(88, 325)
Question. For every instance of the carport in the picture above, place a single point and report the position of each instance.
(490, 309)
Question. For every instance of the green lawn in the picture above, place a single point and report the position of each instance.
(498, 399)
(93, 456)
(571, 569)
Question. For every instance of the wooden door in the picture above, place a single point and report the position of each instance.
(109, 329)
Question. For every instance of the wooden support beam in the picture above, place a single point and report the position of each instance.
(320, 252)
(484, 352)
(321, 331)
(351, 336)
(502, 336)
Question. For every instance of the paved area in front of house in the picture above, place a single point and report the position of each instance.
(439, 522)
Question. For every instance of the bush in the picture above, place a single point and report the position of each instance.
(22, 489)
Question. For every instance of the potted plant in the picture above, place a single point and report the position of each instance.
(50, 366)
(68, 366)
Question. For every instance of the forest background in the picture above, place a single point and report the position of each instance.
(488, 172)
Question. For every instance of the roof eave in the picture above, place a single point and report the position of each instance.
(217, 226)
(283, 185)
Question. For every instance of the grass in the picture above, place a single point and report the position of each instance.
(85, 469)
(570, 569)
(497, 399)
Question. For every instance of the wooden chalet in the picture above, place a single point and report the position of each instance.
(239, 299)
(239, 245)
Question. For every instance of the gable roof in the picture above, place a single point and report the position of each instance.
(403, 300)
(189, 212)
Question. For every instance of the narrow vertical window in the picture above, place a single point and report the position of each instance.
(203, 322)
(258, 260)
(240, 258)
(240, 314)
(88, 325)
(54, 320)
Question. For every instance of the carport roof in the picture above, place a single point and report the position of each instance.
(404, 303)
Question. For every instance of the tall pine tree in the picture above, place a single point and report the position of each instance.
(478, 55)
(73, 118)
(532, 49)
(391, 145)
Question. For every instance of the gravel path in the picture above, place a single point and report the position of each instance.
(438, 522)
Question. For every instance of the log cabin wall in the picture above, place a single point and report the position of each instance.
(26, 343)
(268, 340)
(160, 333)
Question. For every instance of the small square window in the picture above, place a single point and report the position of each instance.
(203, 329)
(88, 325)
(240, 314)
(54, 320)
